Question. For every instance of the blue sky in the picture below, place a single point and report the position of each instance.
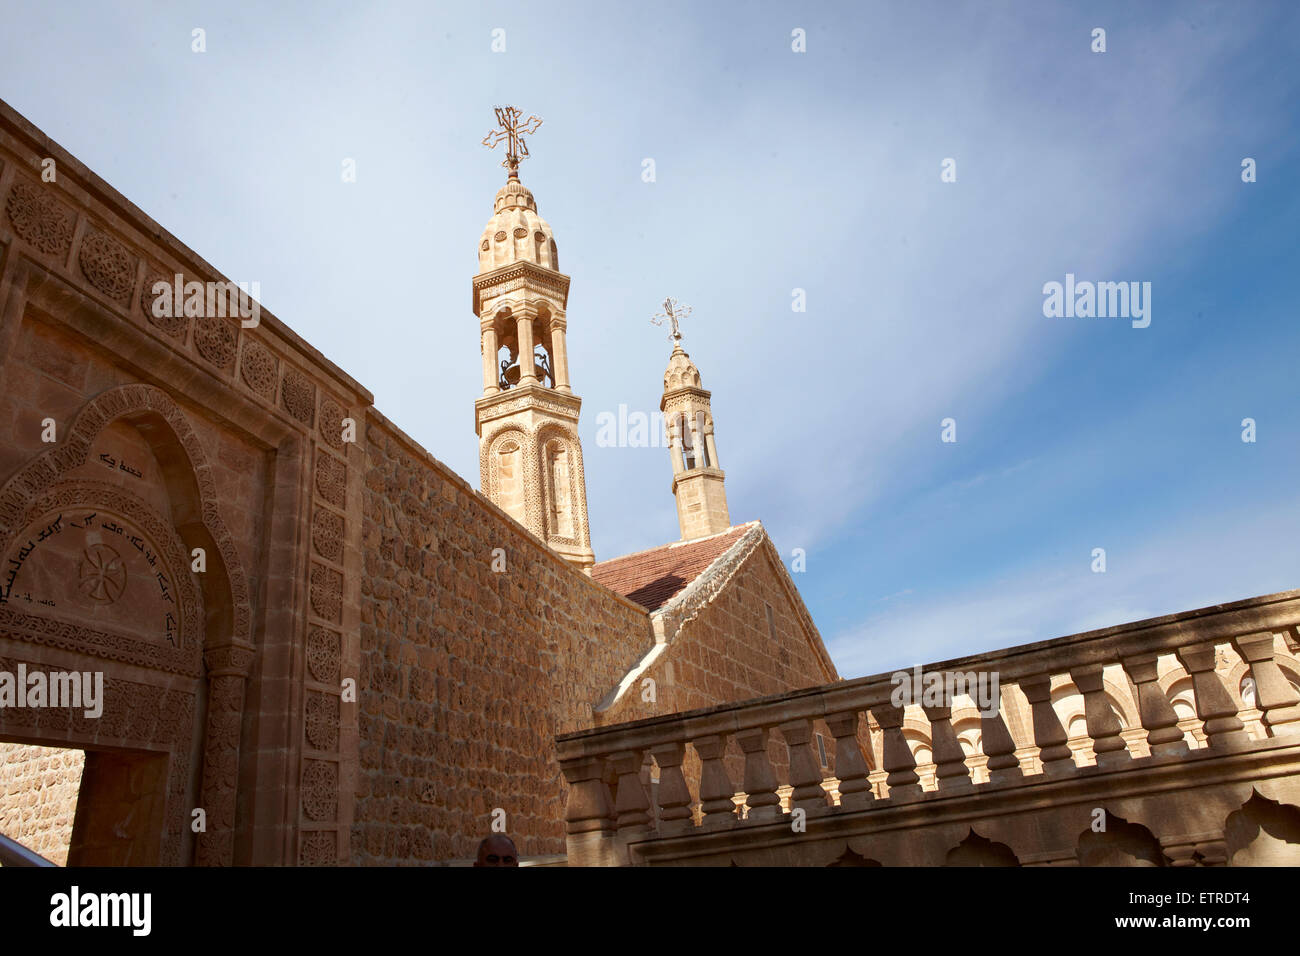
(778, 170)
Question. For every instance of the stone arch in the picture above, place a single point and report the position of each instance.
(1120, 844)
(976, 850)
(850, 858)
(191, 491)
(1263, 832)
(917, 734)
(969, 730)
(190, 485)
(1181, 694)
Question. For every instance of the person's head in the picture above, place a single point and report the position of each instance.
(497, 850)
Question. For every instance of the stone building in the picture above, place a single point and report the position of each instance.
(318, 645)
(307, 627)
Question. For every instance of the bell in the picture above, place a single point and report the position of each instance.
(512, 374)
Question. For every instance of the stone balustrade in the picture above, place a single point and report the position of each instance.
(731, 817)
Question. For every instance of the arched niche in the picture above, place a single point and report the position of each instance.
(127, 500)
(507, 475)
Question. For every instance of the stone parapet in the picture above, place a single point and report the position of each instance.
(1145, 796)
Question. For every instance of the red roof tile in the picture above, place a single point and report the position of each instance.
(652, 578)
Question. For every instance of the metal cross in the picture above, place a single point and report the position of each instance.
(674, 313)
(512, 132)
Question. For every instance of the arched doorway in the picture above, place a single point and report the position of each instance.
(120, 581)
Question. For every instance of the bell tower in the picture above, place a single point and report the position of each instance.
(698, 481)
(530, 459)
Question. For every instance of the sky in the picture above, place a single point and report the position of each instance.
(776, 170)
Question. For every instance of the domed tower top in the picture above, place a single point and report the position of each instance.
(516, 233)
(681, 372)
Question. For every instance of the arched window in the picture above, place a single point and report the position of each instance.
(688, 442)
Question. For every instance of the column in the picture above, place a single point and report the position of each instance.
(527, 363)
(674, 795)
(805, 768)
(760, 780)
(560, 356)
(1049, 736)
(1213, 702)
(897, 759)
(716, 790)
(491, 373)
(850, 763)
(589, 814)
(1157, 714)
(675, 443)
(1274, 695)
(951, 772)
(228, 669)
(1103, 725)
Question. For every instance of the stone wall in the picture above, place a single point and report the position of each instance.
(38, 797)
(467, 672)
(228, 436)
(331, 557)
(730, 651)
(725, 649)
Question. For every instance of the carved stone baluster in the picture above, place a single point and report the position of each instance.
(631, 805)
(1213, 702)
(760, 779)
(1049, 735)
(805, 768)
(850, 762)
(999, 747)
(716, 788)
(1103, 725)
(1273, 694)
(897, 760)
(589, 814)
(951, 772)
(674, 796)
(1157, 714)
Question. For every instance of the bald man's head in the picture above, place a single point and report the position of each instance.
(497, 850)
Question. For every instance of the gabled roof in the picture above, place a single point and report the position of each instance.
(653, 578)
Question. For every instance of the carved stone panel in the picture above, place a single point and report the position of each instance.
(93, 568)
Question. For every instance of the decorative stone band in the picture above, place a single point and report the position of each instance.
(517, 276)
(590, 758)
(503, 404)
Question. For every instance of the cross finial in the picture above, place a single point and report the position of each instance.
(673, 312)
(512, 132)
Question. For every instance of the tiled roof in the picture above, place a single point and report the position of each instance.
(652, 578)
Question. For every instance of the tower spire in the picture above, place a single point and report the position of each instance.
(698, 481)
(530, 458)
